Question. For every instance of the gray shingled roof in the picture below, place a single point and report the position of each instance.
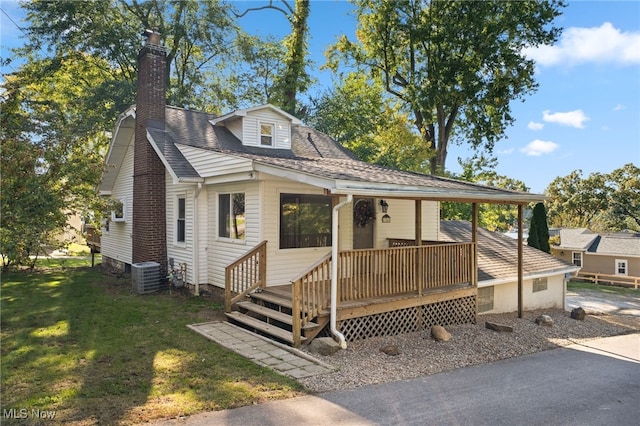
(576, 239)
(498, 254)
(617, 244)
(312, 153)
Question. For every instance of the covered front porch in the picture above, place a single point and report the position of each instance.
(401, 288)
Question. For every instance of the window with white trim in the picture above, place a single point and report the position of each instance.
(231, 216)
(181, 219)
(577, 258)
(118, 210)
(267, 131)
(622, 267)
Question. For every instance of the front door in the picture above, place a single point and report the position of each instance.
(364, 213)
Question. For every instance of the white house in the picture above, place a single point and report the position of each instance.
(255, 200)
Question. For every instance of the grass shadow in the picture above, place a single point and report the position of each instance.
(83, 344)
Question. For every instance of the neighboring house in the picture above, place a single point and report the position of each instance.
(615, 254)
(544, 275)
(279, 214)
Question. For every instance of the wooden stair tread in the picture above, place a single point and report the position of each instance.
(273, 314)
(256, 324)
(267, 296)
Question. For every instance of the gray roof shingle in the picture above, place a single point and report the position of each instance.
(311, 152)
(498, 254)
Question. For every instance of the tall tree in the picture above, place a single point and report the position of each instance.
(538, 229)
(295, 79)
(356, 113)
(456, 65)
(624, 198)
(51, 151)
(494, 217)
(576, 201)
(198, 36)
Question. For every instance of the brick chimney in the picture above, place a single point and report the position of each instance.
(149, 193)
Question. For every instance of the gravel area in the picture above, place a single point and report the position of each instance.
(362, 363)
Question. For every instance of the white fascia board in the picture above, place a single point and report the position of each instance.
(244, 112)
(232, 177)
(105, 193)
(296, 176)
(391, 190)
(174, 176)
(507, 280)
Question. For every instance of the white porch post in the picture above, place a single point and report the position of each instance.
(334, 271)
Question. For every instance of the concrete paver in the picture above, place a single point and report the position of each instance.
(281, 358)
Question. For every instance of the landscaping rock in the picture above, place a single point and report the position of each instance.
(578, 313)
(324, 346)
(544, 320)
(390, 350)
(440, 334)
(498, 327)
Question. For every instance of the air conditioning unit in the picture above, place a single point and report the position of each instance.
(145, 277)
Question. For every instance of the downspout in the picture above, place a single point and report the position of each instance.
(334, 271)
(196, 241)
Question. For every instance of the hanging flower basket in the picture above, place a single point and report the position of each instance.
(363, 212)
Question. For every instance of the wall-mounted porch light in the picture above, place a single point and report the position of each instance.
(385, 207)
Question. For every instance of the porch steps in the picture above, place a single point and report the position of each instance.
(272, 313)
(262, 326)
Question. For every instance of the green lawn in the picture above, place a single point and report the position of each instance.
(603, 288)
(81, 343)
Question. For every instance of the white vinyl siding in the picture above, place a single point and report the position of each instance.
(212, 164)
(116, 243)
(251, 128)
(223, 251)
(402, 225)
(181, 252)
(285, 265)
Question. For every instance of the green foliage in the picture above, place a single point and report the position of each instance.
(357, 114)
(538, 229)
(292, 78)
(52, 150)
(601, 202)
(494, 217)
(455, 65)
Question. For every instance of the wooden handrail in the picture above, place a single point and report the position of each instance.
(245, 274)
(310, 295)
(372, 273)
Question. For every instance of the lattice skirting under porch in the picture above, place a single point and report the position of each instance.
(450, 312)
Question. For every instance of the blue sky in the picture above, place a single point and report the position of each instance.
(585, 114)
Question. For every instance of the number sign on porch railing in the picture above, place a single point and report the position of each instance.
(245, 274)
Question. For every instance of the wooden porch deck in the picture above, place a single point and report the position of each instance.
(380, 291)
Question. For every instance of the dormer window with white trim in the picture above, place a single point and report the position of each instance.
(267, 131)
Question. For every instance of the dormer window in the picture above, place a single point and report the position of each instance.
(266, 134)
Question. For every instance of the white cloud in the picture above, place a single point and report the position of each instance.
(535, 126)
(537, 148)
(603, 44)
(619, 107)
(571, 118)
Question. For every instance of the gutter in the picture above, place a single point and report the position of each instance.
(334, 271)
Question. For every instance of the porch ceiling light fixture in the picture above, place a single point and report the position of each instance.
(385, 207)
